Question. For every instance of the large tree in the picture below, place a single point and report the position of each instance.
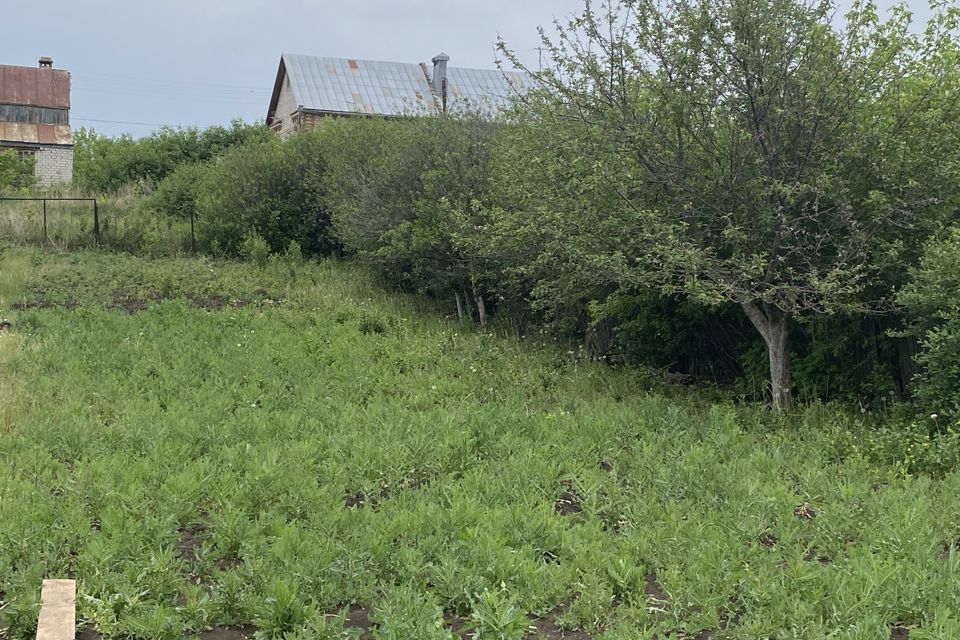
(766, 153)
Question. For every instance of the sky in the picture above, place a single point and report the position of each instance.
(136, 65)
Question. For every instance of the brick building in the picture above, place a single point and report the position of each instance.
(35, 118)
(310, 88)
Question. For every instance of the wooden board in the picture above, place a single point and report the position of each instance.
(58, 612)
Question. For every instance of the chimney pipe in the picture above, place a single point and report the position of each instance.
(46, 62)
(440, 78)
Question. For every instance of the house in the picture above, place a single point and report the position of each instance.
(310, 88)
(35, 118)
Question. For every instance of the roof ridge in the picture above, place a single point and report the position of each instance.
(486, 69)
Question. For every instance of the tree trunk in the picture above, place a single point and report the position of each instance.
(459, 306)
(774, 325)
(481, 305)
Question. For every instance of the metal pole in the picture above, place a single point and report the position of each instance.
(44, 222)
(96, 221)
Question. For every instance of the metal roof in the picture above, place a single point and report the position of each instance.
(23, 133)
(484, 89)
(346, 85)
(34, 87)
(343, 85)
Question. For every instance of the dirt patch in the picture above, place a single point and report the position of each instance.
(88, 633)
(134, 301)
(657, 599)
(812, 555)
(899, 632)
(359, 618)
(547, 627)
(768, 540)
(948, 547)
(358, 500)
(44, 303)
(613, 522)
(460, 627)
(227, 633)
(414, 480)
(569, 502)
(190, 538)
(805, 511)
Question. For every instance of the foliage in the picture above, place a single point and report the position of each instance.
(933, 307)
(752, 153)
(255, 249)
(271, 188)
(197, 429)
(409, 197)
(176, 195)
(16, 174)
(103, 165)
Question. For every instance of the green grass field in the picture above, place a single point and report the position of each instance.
(215, 451)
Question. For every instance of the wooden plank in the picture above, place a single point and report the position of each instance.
(58, 610)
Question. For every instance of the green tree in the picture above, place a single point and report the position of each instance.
(15, 173)
(103, 164)
(751, 152)
(411, 197)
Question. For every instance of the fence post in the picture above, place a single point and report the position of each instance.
(193, 240)
(44, 222)
(96, 221)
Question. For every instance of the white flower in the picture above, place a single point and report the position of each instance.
(934, 416)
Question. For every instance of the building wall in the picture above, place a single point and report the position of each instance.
(54, 165)
(287, 108)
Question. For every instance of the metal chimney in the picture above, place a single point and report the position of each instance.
(440, 78)
(46, 62)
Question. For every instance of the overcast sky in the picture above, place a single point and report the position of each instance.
(203, 62)
(136, 65)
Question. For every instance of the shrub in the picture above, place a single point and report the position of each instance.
(176, 195)
(256, 250)
(272, 188)
(932, 305)
(15, 173)
(103, 165)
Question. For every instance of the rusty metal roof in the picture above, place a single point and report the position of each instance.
(36, 133)
(35, 87)
(345, 85)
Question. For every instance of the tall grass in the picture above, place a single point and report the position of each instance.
(125, 224)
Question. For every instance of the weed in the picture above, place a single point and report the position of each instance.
(180, 435)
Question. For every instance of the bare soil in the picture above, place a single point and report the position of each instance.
(898, 632)
(569, 502)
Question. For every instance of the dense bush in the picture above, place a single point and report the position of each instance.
(932, 300)
(270, 188)
(411, 197)
(103, 164)
(15, 173)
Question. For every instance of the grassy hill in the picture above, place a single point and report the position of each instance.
(218, 451)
